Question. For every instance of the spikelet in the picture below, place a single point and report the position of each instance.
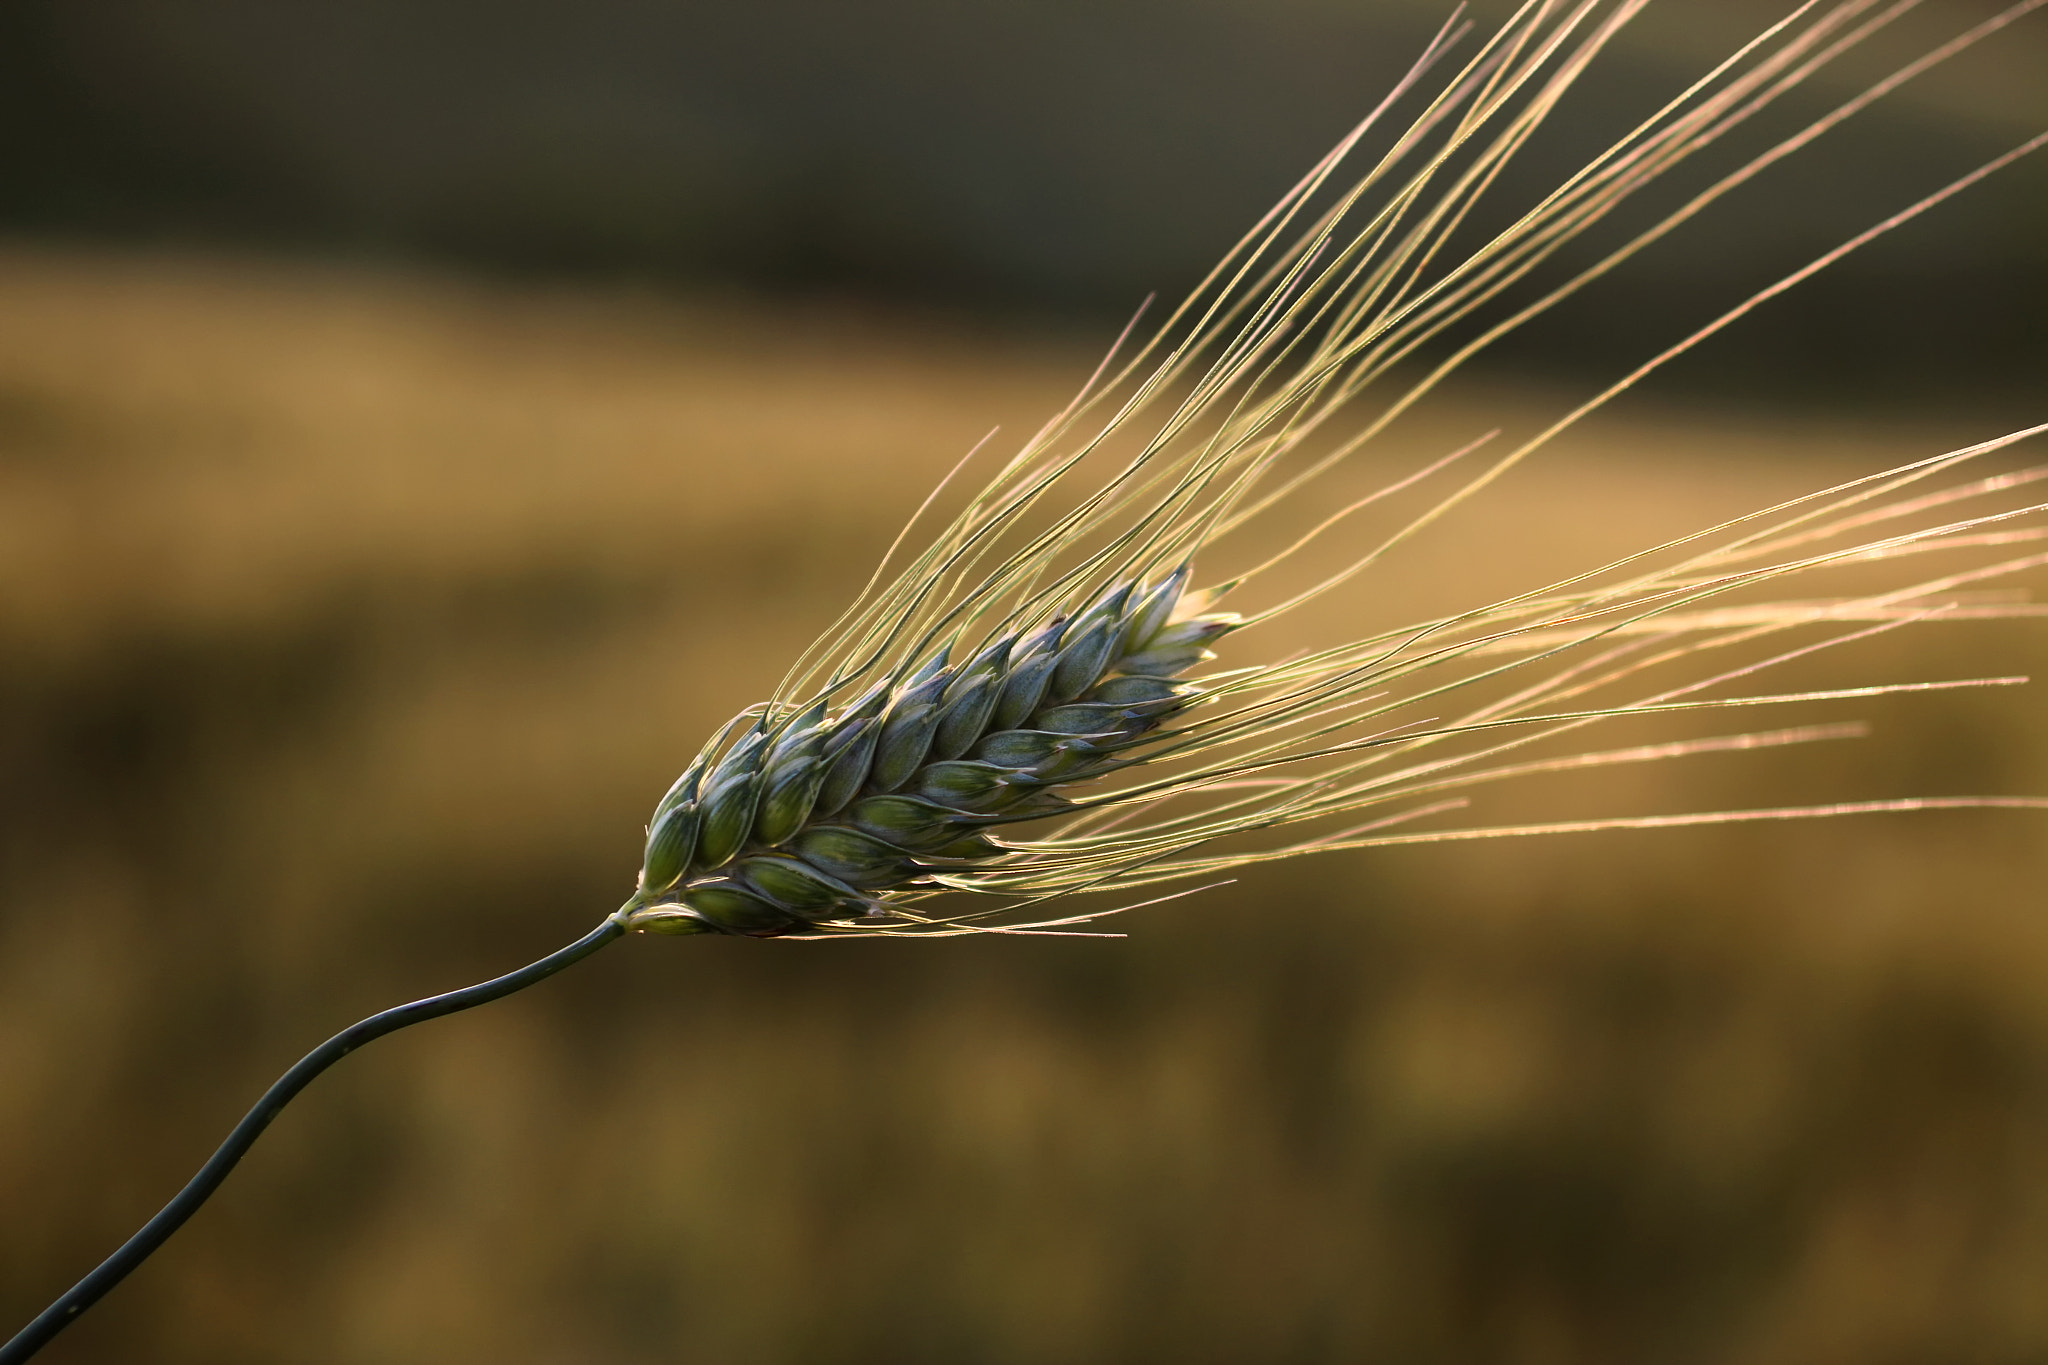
(1040, 657)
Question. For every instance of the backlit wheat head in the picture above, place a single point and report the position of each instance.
(1045, 699)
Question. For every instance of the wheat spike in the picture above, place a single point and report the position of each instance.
(798, 823)
(878, 775)
(874, 779)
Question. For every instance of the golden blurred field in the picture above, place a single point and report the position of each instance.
(351, 622)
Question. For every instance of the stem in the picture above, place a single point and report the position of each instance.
(137, 1249)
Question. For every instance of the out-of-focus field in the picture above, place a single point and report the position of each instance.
(350, 624)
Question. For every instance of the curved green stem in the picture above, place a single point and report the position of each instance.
(137, 1249)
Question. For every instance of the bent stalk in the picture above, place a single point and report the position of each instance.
(157, 1230)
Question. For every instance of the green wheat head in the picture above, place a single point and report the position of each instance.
(1047, 655)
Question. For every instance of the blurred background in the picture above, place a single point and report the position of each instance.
(421, 423)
